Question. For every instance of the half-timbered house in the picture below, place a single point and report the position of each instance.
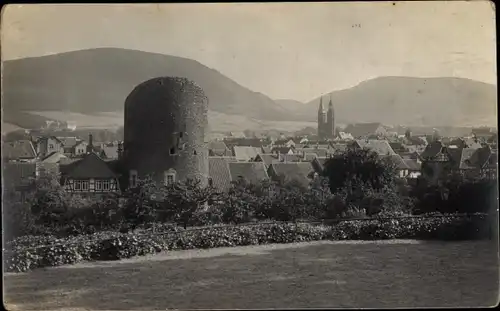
(89, 175)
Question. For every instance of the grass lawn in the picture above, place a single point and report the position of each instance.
(302, 275)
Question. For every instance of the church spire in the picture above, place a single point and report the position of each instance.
(321, 103)
(330, 105)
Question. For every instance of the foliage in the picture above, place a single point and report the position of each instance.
(359, 164)
(456, 194)
(113, 246)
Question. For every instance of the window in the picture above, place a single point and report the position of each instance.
(194, 152)
(81, 185)
(169, 177)
(51, 146)
(172, 151)
(133, 178)
(106, 185)
(210, 182)
(102, 185)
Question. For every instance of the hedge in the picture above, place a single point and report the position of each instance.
(23, 253)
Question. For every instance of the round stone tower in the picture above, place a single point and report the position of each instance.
(164, 132)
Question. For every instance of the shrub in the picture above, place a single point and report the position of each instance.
(23, 256)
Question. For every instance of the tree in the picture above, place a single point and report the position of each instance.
(360, 164)
(183, 200)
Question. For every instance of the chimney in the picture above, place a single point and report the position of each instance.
(90, 146)
(120, 150)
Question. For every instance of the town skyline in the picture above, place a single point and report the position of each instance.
(297, 57)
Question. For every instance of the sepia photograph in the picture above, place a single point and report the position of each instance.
(209, 156)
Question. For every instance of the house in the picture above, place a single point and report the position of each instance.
(89, 175)
(18, 151)
(54, 157)
(402, 168)
(79, 149)
(318, 164)
(320, 152)
(213, 136)
(219, 174)
(398, 147)
(438, 161)
(282, 150)
(245, 154)
(284, 143)
(482, 133)
(290, 158)
(301, 172)
(49, 144)
(308, 157)
(109, 151)
(267, 159)
(237, 134)
(381, 147)
(414, 167)
(267, 149)
(246, 142)
(344, 136)
(364, 130)
(252, 172)
(218, 149)
(337, 148)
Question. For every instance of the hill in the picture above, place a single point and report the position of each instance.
(99, 80)
(86, 85)
(291, 105)
(413, 101)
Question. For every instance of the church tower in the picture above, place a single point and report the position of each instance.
(330, 130)
(321, 120)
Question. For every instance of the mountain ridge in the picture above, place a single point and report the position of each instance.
(98, 80)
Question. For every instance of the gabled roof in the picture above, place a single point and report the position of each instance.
(218, 148)
(299, 171)
(397, 147)
(432, 150)
(412, 164)
(337, 148)
(290, 157)
(477, 158)
(321, 152)
(281, 150)
(362, 129)
(247, 142)
(310, 156)
(267, 159)
(381, 147)
(218, 168)
(20, 149)
(243, 153)
(54, 157)
(110, 152)
(90, 166)
(237, 134)
(284, 141)
(415, 141)
(68, 142)
(42, 138)
(398, 161)
(345, 136)
(253, 172)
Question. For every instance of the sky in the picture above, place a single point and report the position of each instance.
(284, 50)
